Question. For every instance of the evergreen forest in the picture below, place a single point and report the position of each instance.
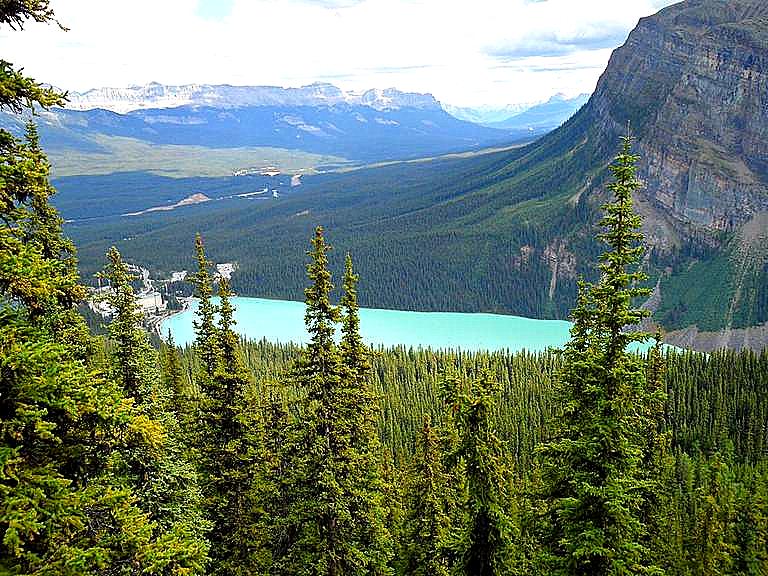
(231, 457)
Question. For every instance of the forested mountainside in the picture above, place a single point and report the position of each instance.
(512, 231)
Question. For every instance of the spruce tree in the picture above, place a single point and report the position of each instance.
(657, 512)
(311, 525)
(174, 379)
(206, 334)
(359, 407)
(229, 452)
(268, 494)
(752, 527)
(29, 219)
(165, 481)
(64, 428)
(206, 404)
(594, 466)
(224, 423)
(427, 524)
(131, 357)
(483, 544)
(355, 355)
(63, 508)
(333, 523)
(714, 550)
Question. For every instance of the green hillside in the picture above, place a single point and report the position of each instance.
(478, 228)
(511, 231)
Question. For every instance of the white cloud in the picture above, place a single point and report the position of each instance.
(484, 52)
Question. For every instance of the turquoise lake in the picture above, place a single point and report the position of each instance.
(283, 321)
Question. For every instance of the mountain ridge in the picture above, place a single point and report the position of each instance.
(159, 96)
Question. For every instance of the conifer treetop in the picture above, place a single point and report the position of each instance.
(207, 333)
(15, 13)
(321, 314)
(619, 283)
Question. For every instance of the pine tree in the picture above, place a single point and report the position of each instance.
(596, 486)
(229, 452)
(313, 490)
(355, 355)
(334, 517)
(204, 436)
(175, 380)
(131, 354)
(268, 496)
(752, 527)
(165, 482)
(30, 220)
(359, 407)
(483, 544)
(64, 510)
(713, 549)
(657, 512)
(427, 523)
(206, 334)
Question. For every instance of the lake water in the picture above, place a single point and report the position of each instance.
(283, 321)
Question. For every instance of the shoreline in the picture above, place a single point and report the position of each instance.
(156, 322)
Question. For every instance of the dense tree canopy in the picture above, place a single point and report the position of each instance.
(235, 458)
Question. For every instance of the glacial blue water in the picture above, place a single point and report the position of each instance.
(283, 321)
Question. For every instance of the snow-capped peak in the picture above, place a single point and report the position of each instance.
(156, 95)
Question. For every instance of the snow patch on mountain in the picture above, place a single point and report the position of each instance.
(155, 95)
(486, 114)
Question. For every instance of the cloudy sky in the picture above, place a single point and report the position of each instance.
(468, 53)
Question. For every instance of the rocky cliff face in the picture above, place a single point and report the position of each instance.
(692, 84)
(693, 81)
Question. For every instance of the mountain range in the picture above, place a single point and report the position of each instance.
(512, 231)
(534, 119)
(155, 95)
(487, 114)
(544, 117)
(367, 126)
(533, 116)
(320, 119)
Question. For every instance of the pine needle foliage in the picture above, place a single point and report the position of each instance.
(17, 91)
(427, 523)
(176, 380)
(165, 482)
(206, 332)
(334, 516)
(483, 541)
(65, 507)
(230, 452)
(594, 466)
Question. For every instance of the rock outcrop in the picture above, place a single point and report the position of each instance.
(693, 82)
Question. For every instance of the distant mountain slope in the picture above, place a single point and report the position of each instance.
(370, 126)
(155, 95)
(486, 114)
(512, 231)
(542, 117)
(356, 132)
